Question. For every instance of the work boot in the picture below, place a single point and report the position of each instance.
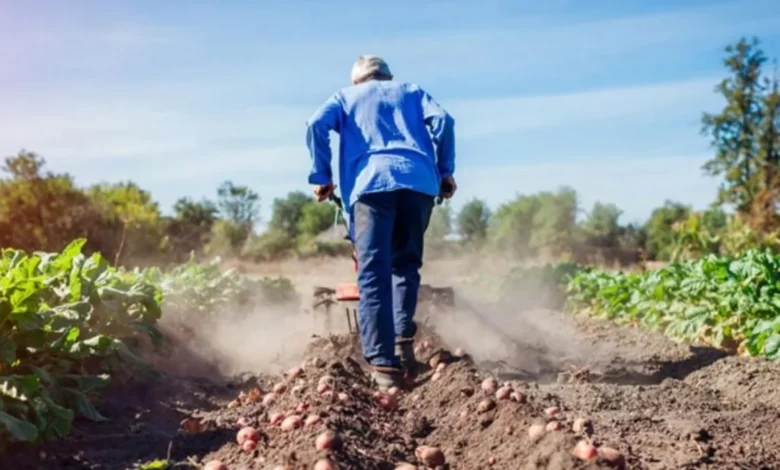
(386, 377)
(404, 349)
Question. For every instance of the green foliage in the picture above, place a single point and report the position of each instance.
(316, 218)
(65, 319)
(440, 224)
(270, 246)
(238, 204)
(602, 227)
(472, 221)
(729, 302)
(288, 212)
(661, 237)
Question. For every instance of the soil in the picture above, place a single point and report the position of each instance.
(662, 405)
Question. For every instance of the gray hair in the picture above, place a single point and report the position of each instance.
(367, 66)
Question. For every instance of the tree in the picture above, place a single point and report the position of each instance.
(473, 221)
(45, 211)
(316, 218)
(745, 136)
(287, 212)
(555, 221)
(661, 235)
(190, 228)
(440, 224)
(238, 204)
(602, 227)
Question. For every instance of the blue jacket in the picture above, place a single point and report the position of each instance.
(393, 135)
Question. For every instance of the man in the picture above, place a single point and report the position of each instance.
(397, 153)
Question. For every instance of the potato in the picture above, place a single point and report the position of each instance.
(503, 393)
(276, 418)
(323, 464)
(612, 456)
(280, 388)
(317, 362)
(486, 405)
(297, 390)
(312, 420)
(394, 391)
(215, 465)
(326, 379)
(535, 431)
(292, 422)
(269, 399)
(303, 406)
(552, 411)
(584, 451)
(464, 414)
(247, 433)
(388, 402)
(553, 426)
(440, 368)
(249, 445)
(295, 372)
(327, 440)
(436, 377)
(491, 461)
(459, 352)
(323, 388)
(517, 397)
(430, 456)
(489, 385)
(343, 397)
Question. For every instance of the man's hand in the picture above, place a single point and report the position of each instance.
(448, 187)
(323, 192)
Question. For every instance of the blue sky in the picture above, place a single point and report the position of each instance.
(603, 96)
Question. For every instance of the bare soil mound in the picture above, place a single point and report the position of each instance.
(659, 404)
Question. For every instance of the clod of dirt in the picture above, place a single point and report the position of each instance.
(612, 457)
(436, 377)
(430, 456)
(467, 391)
(280, 388)
(269, 399)
(215, 465)
(441, 357)
(582, 426)
(405, 466)
(295, 372)
(517, 397)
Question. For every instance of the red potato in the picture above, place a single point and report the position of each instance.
(492, 461)
(327, 440)
(436, 377)
(430, 456)
(388, 402)
(312, 420)
(326, 379)
(323, 388)
(247, 434)
(535, 431)
(464, 414)
(553, 426)
(486, 405)
(489, 385)
(297, 390)
(303, 406)
(292, 422)
(503, 393)
(343, 397)
(394, 391)
(276, 418)
(269, 399)
(612, 456)
(552, 411)
(584, 451)
(280, 388)
(249, 445)
(440, 368)
(295, 372)
(517, 397)
(323, 464)
(215, 465)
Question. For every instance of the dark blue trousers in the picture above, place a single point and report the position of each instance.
(388, 234)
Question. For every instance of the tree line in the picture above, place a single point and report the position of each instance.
(41, 210)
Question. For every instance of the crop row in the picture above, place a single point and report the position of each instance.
(727, 302)
(70, 322)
